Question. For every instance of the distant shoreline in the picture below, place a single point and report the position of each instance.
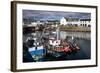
(76, 29)
(64, 28)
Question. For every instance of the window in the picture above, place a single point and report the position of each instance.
(85, 25)
(89, 25)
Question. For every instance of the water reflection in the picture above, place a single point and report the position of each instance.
(83, 35)
(83, 39)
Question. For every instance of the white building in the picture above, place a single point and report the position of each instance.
(69, 21)
(85, 22)
(63, 21)
(75, 22)
(37, 23)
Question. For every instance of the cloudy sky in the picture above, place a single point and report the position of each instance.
(53, 15)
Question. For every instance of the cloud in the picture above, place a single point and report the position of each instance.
(45, 15)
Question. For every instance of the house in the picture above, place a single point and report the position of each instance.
(63, 21)
(85, 22)
(69, 21)
(75, 22)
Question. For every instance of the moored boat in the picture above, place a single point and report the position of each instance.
(37, 52)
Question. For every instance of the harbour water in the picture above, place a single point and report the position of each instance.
(84, 40)
(83, 35)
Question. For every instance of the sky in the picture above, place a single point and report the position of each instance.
(53, 15)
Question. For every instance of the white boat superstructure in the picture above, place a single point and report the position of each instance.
(54, 42)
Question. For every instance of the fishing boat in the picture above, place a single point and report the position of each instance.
(35, 48)
(37, 53)
(58, 47)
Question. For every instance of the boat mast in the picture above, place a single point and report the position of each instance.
(57, 31)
